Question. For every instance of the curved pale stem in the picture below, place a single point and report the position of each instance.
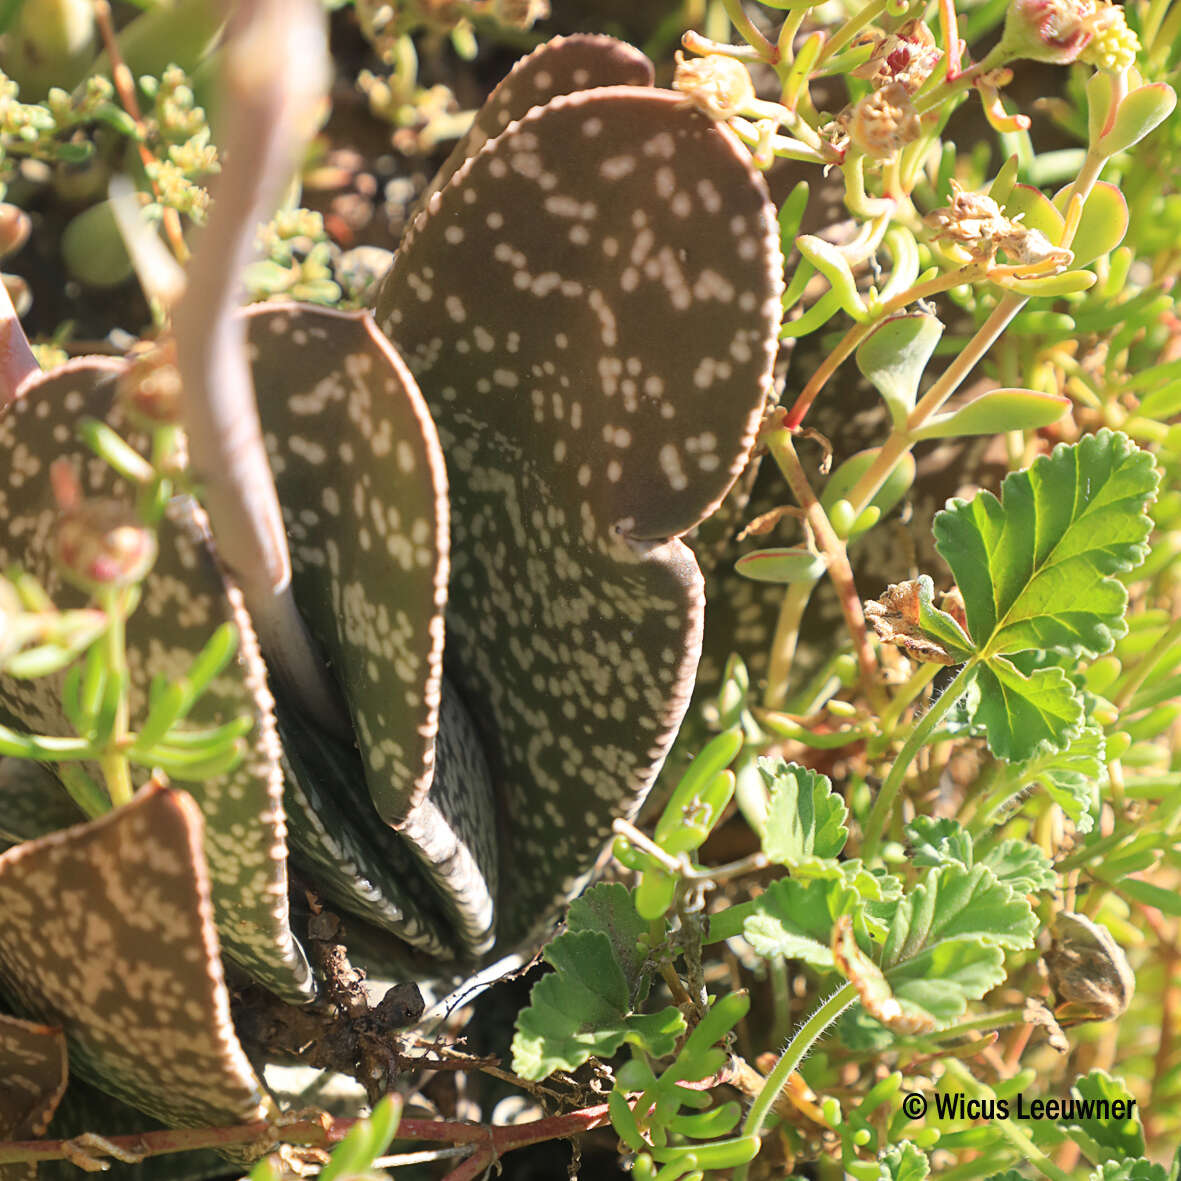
(16, 358)
(273, 87)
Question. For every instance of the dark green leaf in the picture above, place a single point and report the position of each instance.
(1035, 568)
(608, 908)
(1024, 716)
(581, 1009)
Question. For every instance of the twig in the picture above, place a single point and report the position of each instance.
(779, 441)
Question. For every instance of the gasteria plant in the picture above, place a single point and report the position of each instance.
(546, 549)
(434, 621)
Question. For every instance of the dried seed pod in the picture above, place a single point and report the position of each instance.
(1089, 972)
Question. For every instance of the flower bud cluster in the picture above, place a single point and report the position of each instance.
(101, 545)
(150, 389)
(1065, 31)
(907, 57)
(718, 86)
(883, 122)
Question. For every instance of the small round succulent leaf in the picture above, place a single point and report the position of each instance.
(361, 479)
(559, 66)
(185, 599)
(1103, 224)
(624, 311)
(33, 1077)
(109, 934)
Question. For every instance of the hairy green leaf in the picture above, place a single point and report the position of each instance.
(582, 1009)
(946, 938)
(805, 817)
(937, 842)
(903, 1162)
(1071, 776)
(608, 908)
(1119, 1139)
(794, 919)
(1022, 867)
(1129, 1170)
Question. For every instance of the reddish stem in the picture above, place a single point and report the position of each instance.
(505, 1139)
(951, 34)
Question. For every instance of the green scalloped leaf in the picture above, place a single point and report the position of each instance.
(1026, 715)
(794, 919)
(996, 411)
(583, 1009)
(903, 1162)
(946, 940)
(1131, 1170)
(939, 841)
(805, 817)
(893, 357)
(1119, 1139)
(608, 908)
(1036, 567)
(1072, 776)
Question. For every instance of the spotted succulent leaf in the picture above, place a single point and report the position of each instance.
(559, 66)
(365, 507)
(185, 598)
(367, 518)
(596, 390)
(33, 1076)
(108, 933)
